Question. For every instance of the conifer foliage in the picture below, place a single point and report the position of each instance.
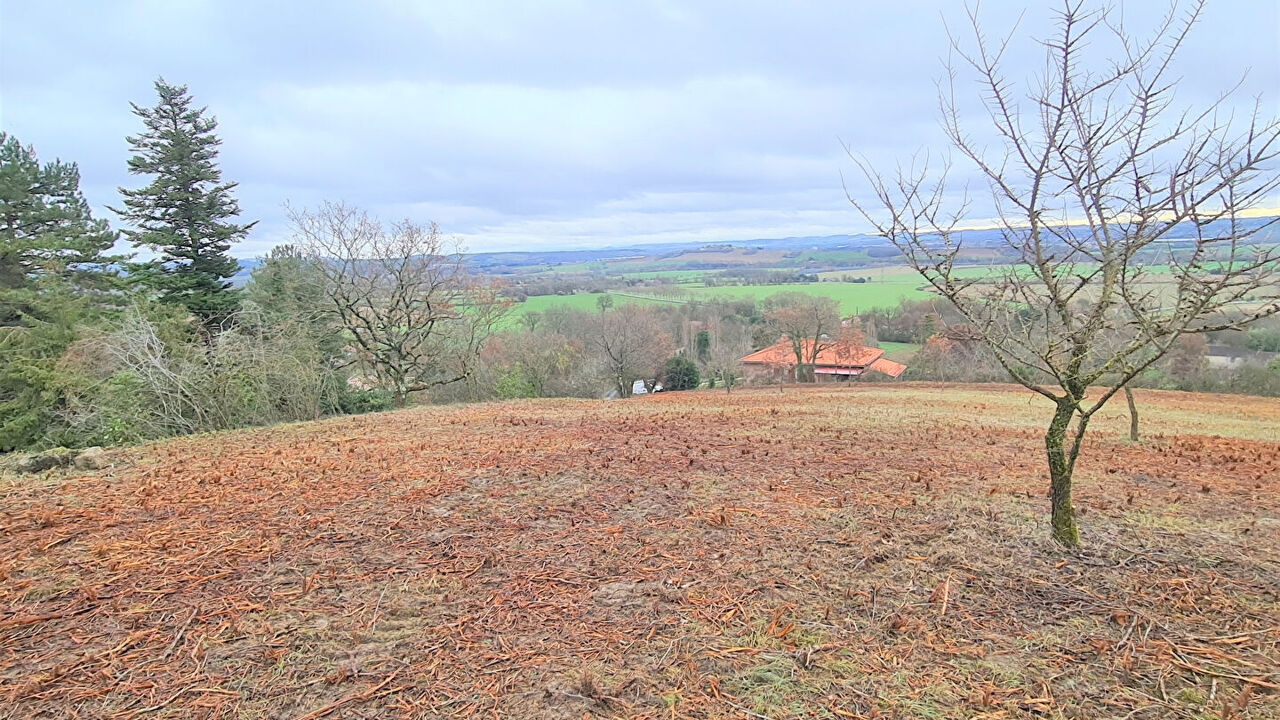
(47, 234)
(186, 213)
(55, 275)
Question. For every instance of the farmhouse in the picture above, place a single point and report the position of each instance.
(837, 361)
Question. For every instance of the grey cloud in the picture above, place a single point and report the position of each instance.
(549, 124)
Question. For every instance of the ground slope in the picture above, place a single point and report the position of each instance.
(854, 552)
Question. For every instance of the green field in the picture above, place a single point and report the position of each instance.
(899, 352)
(853, 297)
(539, 303)
(579, 301)
(887, 287)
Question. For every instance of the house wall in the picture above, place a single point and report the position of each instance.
(756, 374)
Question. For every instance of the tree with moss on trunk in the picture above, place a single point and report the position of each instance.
(1096, 180)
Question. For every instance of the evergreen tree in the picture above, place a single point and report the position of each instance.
(286, 291)
(703, 343)
(680, 373)
(55, 277)
(185, 213)
(47, 234)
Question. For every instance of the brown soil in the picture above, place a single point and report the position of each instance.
(853, 552)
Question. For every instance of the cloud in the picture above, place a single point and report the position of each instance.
(553, 124)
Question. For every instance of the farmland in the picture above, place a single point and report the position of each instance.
(852, 297)
(874, 550)
(886, 286)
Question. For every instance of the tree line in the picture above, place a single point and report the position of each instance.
(353, 315)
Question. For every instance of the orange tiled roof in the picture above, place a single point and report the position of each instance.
(835, 354)
(887, 366)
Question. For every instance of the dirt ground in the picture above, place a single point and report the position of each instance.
(867, 551)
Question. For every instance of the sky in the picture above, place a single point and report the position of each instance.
(546, 125)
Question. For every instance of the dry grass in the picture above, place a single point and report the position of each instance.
(860, 552)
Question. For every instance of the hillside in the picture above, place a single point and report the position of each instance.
(854, 552)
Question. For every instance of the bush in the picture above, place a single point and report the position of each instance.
(1266, 339)
(513, 384)
(163, 380)
(354, 401)
(680, 373)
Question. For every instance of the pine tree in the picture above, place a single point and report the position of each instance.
(55, 277)
(47, 234)
(186, 211)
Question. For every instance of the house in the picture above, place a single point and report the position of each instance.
(837, 361)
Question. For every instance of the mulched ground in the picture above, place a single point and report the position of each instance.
(874, 551)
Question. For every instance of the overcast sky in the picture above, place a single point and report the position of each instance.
(539, 124)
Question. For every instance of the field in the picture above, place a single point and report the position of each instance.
(864, 551)
(542, 303)
(577, 301)
(899, 352)
(888, 286)
(852, 297)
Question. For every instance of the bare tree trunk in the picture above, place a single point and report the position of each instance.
(1133, 414)
(1061, 466)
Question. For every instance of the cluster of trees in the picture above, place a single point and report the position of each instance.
(354, 315)
(75, 318)
(100, 348)
(521, 287)
(953, 351)
(620, 349)
(758, 276)
(613, 350)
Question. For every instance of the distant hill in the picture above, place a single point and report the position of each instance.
(504, 263)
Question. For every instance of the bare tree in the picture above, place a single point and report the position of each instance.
(632, 345)
(730, 342)
(414, 316)
(1097, 178)
(808, 323)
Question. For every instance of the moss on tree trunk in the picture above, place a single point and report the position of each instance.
(1061, 466)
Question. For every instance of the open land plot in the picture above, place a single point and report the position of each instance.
(853, 297)
(864, 551)
(898, 351)
(577, 301)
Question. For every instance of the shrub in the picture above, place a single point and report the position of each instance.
(1266, 339)
(162, 380)
(355, 401)
(513, 384)
(680, 373)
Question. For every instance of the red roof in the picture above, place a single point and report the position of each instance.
(833, 354)
(887, 366)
